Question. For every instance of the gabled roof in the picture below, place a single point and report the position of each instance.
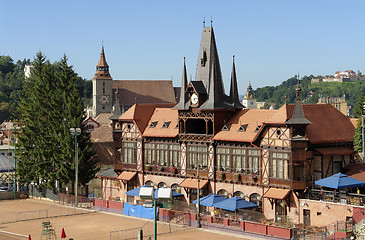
(104, 118)
(90, 119)
(141, 114)
(251, 119)
(144, 91)
(328, 124)
(167, 121)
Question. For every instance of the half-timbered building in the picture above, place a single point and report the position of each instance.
(269, 157)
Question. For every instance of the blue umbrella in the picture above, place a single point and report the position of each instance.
(338, 181)
(135, 192)
(234, 203)
(174, 194)
(210, 200)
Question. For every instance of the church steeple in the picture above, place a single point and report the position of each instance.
(102, 68)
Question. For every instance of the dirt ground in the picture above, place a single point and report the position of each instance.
(94, 225)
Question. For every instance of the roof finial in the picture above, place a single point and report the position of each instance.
(211, 21)
(233, 58)
(203, 22)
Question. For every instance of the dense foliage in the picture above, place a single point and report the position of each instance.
(49, 107)
(11, 77)
(310, 91)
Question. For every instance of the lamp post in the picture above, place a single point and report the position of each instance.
(198, 198)
(76, 132)
(16, 129)
(362, 132)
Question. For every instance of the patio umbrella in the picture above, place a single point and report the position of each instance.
(210, 200)
(234, 203)
(338, 181)
(135, 192)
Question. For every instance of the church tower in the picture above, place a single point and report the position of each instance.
(249, 100)
(102, 87)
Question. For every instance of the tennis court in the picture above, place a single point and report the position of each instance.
(93, 225)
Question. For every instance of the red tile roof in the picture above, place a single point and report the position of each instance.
(141, 114)
(167, 120)
(252, 117)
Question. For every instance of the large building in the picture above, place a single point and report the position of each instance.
(129, 92)
(269, 157)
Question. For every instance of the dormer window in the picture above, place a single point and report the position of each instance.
(166, 124)
(227, 127)
(257, 128)
(243, 128)
(153, 124)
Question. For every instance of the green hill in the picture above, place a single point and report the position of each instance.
(310, 91)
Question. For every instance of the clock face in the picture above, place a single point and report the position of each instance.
(194, 99)
(104, 99)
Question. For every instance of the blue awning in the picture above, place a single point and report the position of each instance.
(210, 199)
(234, 203)
(338, 181)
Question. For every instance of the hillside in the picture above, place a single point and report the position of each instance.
(310, 92)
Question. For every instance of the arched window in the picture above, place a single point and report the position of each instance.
(162, 185)
(223, 193)
(149, 183)
(257, 199)
(239, 194)
(174, 186)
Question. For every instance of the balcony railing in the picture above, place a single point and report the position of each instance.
(336, 197)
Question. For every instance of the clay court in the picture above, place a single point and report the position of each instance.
(91, 225)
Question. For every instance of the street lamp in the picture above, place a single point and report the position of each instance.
(198, 198)
(76, 132)
(362, 134)
(15, 130)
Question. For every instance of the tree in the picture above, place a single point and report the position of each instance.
(71, 108)
(36, 141)
(358, 112)
(50, 107)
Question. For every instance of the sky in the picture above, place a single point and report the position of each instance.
(272, 40)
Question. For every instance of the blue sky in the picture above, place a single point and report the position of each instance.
(272, 40)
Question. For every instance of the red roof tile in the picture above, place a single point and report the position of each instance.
(167, 120)
(252, 117)
(141, 114)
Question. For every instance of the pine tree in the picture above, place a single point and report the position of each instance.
(358, 112)
(50, 107)
(71, 109)
(36, 159)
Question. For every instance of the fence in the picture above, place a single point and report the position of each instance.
(166, 225)
(12, 236)
(53, 211)
(69, 200)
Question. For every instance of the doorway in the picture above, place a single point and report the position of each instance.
(307, 217)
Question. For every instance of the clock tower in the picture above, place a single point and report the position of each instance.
(102, 87)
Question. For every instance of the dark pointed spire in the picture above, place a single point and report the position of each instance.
(298, 117)
(233, 94)
(184, 84)
(117, 112)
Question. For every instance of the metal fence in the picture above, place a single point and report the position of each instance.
(53, 211)
(336, 197)
(166, 225)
